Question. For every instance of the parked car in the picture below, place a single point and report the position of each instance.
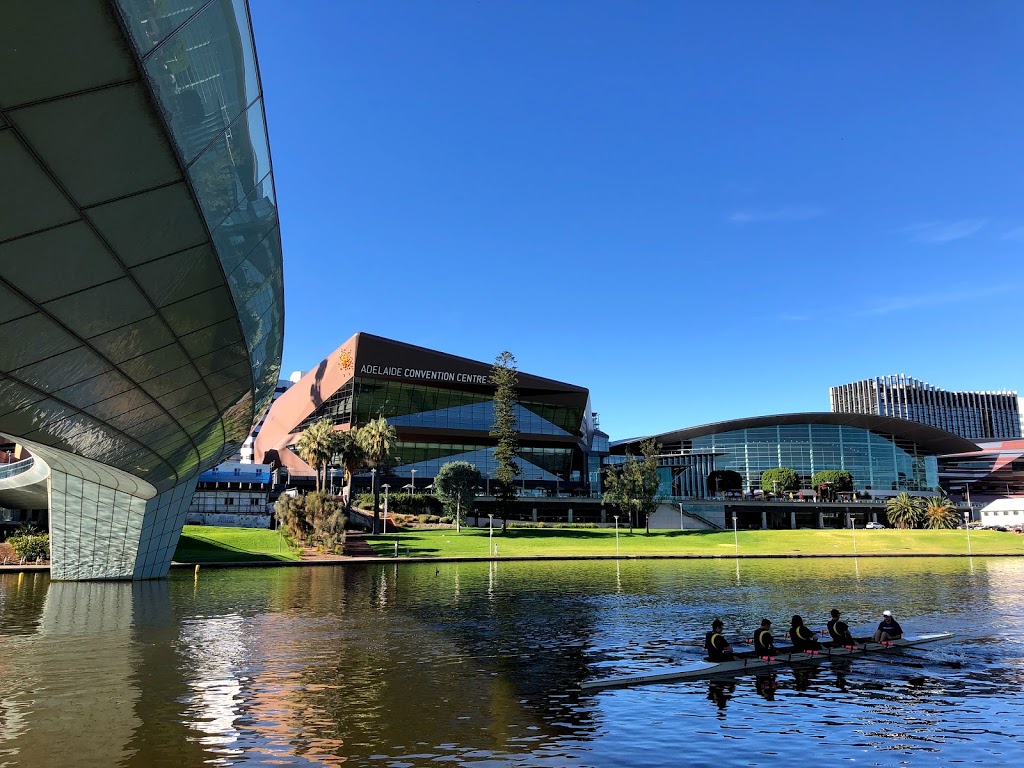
(874, 525)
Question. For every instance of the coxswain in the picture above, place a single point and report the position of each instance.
(839, 631)
(802, 638)
(888, 629)
(716, 645)
(764, 643)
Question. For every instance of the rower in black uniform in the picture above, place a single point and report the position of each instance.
(802, 638)
(716, 645)
(764, 643)
(839, 631)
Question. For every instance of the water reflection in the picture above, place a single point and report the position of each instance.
(479, 663)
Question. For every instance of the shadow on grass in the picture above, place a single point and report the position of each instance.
(196, 549)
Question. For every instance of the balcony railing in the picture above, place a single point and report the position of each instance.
(11, 470)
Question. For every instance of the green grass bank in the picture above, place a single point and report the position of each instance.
(555, 542)
(212, 544)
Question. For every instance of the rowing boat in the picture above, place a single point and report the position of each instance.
(750, 664)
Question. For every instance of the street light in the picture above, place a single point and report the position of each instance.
(490, 534)
(853, 528)
(413, 481)
(967, 525)
(386, 488)
(680, 515)
(735, 533)
(373, 489)
(616, 535)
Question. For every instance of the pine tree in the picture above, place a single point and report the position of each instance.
(505, 378)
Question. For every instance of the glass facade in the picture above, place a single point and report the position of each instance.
(876, 461)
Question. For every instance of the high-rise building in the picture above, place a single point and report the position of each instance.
(974, 415)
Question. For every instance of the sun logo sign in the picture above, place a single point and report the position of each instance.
(345, 361)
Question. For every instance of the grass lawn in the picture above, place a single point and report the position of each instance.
(520, 542)
(212, 544)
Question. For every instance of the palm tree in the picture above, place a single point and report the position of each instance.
(377, 439)
(317, 446)
(903, 511)
(939, 513)
(350, 456)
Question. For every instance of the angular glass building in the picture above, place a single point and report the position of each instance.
(141, 288)
(442, 408)
(974, 415)
(882, 453)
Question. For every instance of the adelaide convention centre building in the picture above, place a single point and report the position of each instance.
(141, 288)
(442, 409)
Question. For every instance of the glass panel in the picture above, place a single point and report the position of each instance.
(205, 75)
(151, 22)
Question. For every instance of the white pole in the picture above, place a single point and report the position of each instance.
(616, 535)
(490, 534)
(853, 527)
(680, 515)
(967, 520)
(412, 483)
(735, 533)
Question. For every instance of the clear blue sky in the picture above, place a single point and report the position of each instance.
(700, 211)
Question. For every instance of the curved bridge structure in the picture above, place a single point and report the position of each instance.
(141, 287)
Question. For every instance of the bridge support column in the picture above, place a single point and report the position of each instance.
(604, 515)
(570, 515)
(792, 520)
(533, 515)
(764, 520)
(821, 520)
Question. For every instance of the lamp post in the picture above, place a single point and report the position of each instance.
(853, 528)
(616, 535)
(373, 489)
(680, 515)
(490, 534)
(735, 533)
(558, 481)
(385, 488)
(967, 525)
(412, 482)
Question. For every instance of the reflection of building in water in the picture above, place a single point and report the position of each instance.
(83, 658)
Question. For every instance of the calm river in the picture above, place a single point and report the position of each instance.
(478, 664)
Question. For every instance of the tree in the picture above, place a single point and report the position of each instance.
(315, 518)
(505, 378)
(724, 480)
(633, 485)
(838, 479)
(903, 511)
(317, 446)
(456, 485)
(350, 455)
(780, 480)
(377, 440)
(939, 513)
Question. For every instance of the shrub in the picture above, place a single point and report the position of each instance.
(316, 519)
(403, 503)
(29, 544)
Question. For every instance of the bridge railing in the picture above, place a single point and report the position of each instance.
(11, 470)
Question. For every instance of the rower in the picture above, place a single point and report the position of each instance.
(716, 645)
(803, 639)
(764, 643)
(839, 630)
(888, 629)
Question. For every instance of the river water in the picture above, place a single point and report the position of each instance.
(478, 664)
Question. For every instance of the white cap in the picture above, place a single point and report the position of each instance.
(887, 613)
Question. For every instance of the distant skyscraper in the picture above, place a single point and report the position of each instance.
(974, 415)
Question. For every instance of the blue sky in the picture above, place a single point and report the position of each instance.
(701, 211)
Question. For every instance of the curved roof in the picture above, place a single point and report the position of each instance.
(931, 439)
(141, 287)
